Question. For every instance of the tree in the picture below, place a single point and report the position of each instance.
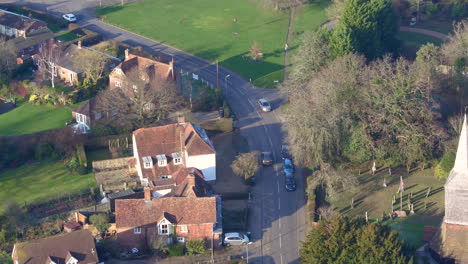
(93, 64)
(48, 58)
(311, 56)
(457, 45)
(100, 221)
(255, 51)
(195, 247)
(342, 240)
(17, 220)
(367, 27)
(335, 181)
(246, 165)
(142, 99)
(5, 258)
(7, 59)
(335, 9)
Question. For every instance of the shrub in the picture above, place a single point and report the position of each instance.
(443, 168)
(100, 221)
(82, 170)
(176, 250)
(195, 247)
(73, 163)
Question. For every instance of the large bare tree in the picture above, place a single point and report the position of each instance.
(246, 165)
(7, 58)
(143, 99)
(50, 55)
(93, 63)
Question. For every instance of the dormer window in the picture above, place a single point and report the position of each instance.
(147, 162)
(177, 156)
(162, 160)
(164, 177)
(118, 71)
(135, 89)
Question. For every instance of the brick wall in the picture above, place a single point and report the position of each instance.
(64, 74)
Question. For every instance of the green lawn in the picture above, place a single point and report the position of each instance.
(411, 42)
(374, 199)
(42, 181)
(206, 28)
(28, 118)
(66, 36)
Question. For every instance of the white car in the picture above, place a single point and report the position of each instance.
(235, 239)
(69, 17)
(264, 105)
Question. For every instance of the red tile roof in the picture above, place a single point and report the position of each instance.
(138, 212)
(165, 140)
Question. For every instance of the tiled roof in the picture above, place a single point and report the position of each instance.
(15, 20)
(72, 51)
(146, 66)
(80, 244)
(34, 38)
(190, 183)
(167, 140)
(138, 212)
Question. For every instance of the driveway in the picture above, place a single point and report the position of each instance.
(277, 218)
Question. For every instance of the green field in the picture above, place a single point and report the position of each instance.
(42, 181)
(206, 28)
(29, 118)
(66, 36)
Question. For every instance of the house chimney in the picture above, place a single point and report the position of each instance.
(79, 44)
(180, 120)
(126, 54)
(147, 194)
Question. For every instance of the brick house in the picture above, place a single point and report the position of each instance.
(162, 152)
(77, 247)
(15, 25)
(140, 221)
(147, 68)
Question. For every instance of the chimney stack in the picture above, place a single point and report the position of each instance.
(180, 119)
(79, 44)
(147, 194)
(126, 54)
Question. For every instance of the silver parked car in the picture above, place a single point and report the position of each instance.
(264, 105)
(235, 239)
(69, 17)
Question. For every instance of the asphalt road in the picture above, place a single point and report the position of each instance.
(277, 217)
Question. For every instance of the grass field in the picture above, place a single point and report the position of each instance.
(30, 118)
(206, 28)
(376, 200)
(66, 36)
(42, 181)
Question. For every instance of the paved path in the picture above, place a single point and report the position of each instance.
(277, 217)
(425, 32)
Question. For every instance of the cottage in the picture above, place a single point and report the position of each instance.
(140, 221)
(161, 152)
(77, 247)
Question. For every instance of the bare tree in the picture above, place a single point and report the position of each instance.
(246, 165)
(327, 212)
(144, 98)
(335, 9)
(7, 58)
(456, 47)
(48, 58)
(93, 64)
(255, 51)
(334, 181)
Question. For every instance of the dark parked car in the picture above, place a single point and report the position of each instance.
(288, 166)
(290, 184)
(266, 158)
(285, 152)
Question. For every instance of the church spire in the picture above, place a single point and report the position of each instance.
(461, 160)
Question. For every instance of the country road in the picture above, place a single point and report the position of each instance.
(277, 217)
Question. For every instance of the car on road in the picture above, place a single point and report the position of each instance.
(285, 152)
(288, 166)
(266, 158)
(235, 239)
(69, 17)
(264, 105)
(290, 184)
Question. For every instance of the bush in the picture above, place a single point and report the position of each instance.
(195, 247)
(82, 170)
(73, 163)
(176, 250)
(100, 221)
(445, 165)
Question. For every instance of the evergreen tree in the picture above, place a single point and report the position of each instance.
(342, 240)
(366, 26)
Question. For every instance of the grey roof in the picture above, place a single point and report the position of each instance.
(14, 20)
(34, 38)
(72, 51)
(456, 187)
(120, 194)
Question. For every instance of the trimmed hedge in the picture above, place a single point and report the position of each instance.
(445, 165)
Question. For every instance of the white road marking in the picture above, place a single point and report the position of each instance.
(277, 183)
(281, 256)
(279, 202)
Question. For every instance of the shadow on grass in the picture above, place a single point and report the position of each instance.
(108, 9)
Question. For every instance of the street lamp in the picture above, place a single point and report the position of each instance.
(247, 249)
(225, 81)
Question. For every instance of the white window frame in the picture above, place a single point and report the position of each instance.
(98, 116)
(135, 88)
(137, 230)
(183, 228)
(162, 160)
(118, 71)
(164, 229)
(54, 70)
(118, 84)
(177, 156)
(147, 162)
(181, 239)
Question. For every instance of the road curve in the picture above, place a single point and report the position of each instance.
(277, 218)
